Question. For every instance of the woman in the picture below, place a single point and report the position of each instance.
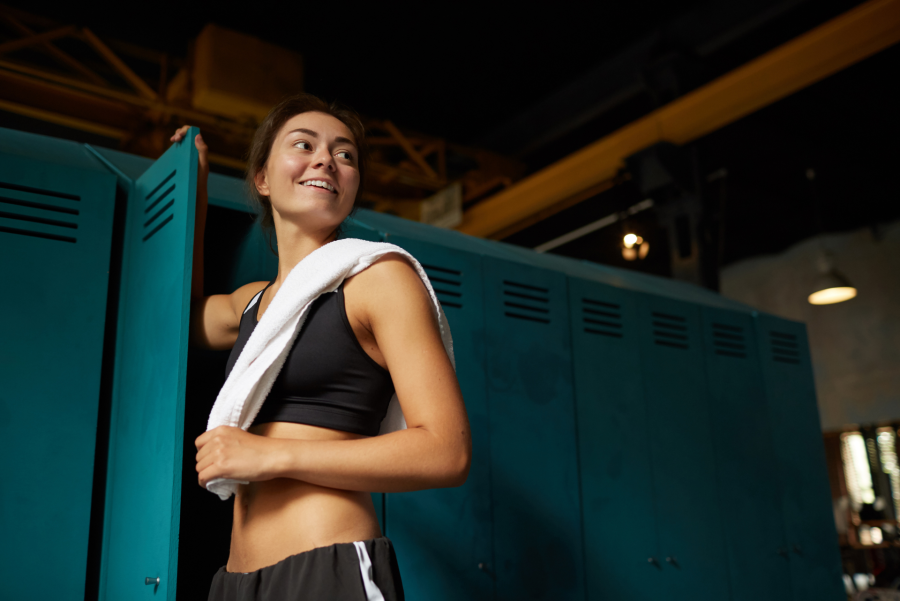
(310, 470)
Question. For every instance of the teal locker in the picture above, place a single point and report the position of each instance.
(443, 536)
(354, 228)
(812, 540)
(55, 233)
(534, 466)
(757, 556)
(250, 260)
(685, 398)
(621, 552)
(680, 436)
(146, 424)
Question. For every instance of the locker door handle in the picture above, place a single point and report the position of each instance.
(652, 561)
(673, 561)
(153, 581)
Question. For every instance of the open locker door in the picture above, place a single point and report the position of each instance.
(143, 486)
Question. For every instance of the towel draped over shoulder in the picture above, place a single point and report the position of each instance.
(265, 352)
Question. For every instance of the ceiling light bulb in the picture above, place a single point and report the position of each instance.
(831, 287)
(630, 240)
(829, 296)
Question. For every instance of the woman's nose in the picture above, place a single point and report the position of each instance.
(324, 159)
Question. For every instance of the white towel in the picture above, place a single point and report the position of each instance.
(261, 359)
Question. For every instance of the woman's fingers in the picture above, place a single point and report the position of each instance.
(229, 452)
(204, 438)
(203, 151)
(205, 462)
(205, 475)
(199, 142)
(179, 134)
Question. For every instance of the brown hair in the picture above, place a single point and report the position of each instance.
(264, 138)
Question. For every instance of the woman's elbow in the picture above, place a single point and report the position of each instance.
(458, 469)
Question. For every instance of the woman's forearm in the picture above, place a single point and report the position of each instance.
(402, 461)
(199, 230)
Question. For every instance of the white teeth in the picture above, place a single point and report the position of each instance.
(320, 184)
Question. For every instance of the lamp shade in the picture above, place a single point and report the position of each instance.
(831, 287)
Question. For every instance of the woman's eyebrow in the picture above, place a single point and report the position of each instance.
(310, 132)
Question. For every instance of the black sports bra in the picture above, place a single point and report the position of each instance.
(328, 379)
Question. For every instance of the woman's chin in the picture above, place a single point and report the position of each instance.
(312, 223)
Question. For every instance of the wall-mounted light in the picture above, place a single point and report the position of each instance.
(634, 247)
(830, 286)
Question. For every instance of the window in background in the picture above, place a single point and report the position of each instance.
(887, 449)
(856, 469)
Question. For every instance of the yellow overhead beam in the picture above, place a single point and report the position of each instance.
(837, 44)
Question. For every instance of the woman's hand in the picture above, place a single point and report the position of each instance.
(202, 149)
(227, 452)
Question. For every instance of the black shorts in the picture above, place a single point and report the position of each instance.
(362, 570)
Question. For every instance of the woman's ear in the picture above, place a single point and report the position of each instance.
(262, 184)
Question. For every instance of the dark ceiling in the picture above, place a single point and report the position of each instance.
(446, 68)
(536, 83)
(845, 128)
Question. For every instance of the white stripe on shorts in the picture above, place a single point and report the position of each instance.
(373, 593)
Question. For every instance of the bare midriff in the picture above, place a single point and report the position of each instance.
(278, 518)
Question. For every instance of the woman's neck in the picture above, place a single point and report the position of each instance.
(294, 245)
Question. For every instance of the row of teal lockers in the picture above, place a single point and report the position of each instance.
(634, 437)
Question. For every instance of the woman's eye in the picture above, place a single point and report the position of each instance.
(303, 145)
(345, 155)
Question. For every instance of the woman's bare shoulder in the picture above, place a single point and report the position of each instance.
(389, 288)
(241, 297)
(390, 272)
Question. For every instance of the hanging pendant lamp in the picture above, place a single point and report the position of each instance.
(830, 286)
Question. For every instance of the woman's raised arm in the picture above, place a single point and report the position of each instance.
(214, 319)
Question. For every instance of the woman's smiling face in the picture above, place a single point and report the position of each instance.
(312, 174)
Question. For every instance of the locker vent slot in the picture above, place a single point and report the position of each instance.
(13, 230)
(40, 213)
(729, 341)
(523, 301)
(670, 330)
(601, 318)
(153, 214)
(162, 183)
(447, 284)
(37, 205)
(785, 348)
(40, 191)
(45, 221)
